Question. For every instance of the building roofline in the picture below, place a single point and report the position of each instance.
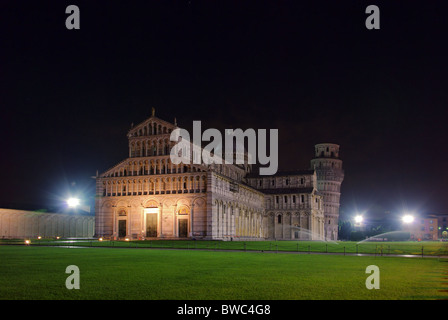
(326, 144)
(287, 190)
(284, 173)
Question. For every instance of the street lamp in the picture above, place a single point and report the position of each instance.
(73, 202)
(358, 219)
(407, 218)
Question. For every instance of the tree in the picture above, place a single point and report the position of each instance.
(345, 229)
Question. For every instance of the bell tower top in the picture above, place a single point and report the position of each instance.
(326, 157)
(153, 112)
(327, 163)
(326, 150)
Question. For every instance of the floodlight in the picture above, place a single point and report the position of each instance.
(73, 202)
(407, 218)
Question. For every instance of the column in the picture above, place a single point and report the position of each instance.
(224, 220)
(236, 220)
(232, 222)
(114, 219)
(290, 227)
(159, 222)
(174, 220)
(142, 223)
(128, 227)
(274, 225)
(192, 220)
(217, 219)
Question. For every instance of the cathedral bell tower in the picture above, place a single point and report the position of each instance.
(330, 174)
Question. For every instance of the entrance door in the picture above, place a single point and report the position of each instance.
(151, 225)
(121, 228)
(183, 228)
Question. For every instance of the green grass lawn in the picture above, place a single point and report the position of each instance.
(28, 272)
(432, 248)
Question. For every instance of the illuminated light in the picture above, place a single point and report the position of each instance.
(73, 202)
(27, 242)
(39, 237)
(100, 239)
(359, 219)
(127, 239)
(57, 237)
(407, 218)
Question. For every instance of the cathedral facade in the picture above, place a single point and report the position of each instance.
(147, 196)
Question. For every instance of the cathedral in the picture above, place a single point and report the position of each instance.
(147, 196)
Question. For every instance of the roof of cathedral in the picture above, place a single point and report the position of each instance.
(153, 118)
(283, 173)
(287, 190)
(294, 173)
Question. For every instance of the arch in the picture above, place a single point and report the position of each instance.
(183, 210)
(122, 212)
(151, 203)
(199, 202)
(183, 202)
(107, 204)
(121, 204)
(138, 149)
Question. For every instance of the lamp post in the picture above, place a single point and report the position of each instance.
(72, 202)
(75, 203)
(407, 219)
(359, 227)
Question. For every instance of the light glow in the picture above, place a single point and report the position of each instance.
(73, 202)
(359, 219)
(407, 218)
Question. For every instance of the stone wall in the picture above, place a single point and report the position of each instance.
(23, 224)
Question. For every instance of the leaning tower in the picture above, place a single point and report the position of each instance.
(330, 174)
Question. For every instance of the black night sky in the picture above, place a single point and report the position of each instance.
(310, 69)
